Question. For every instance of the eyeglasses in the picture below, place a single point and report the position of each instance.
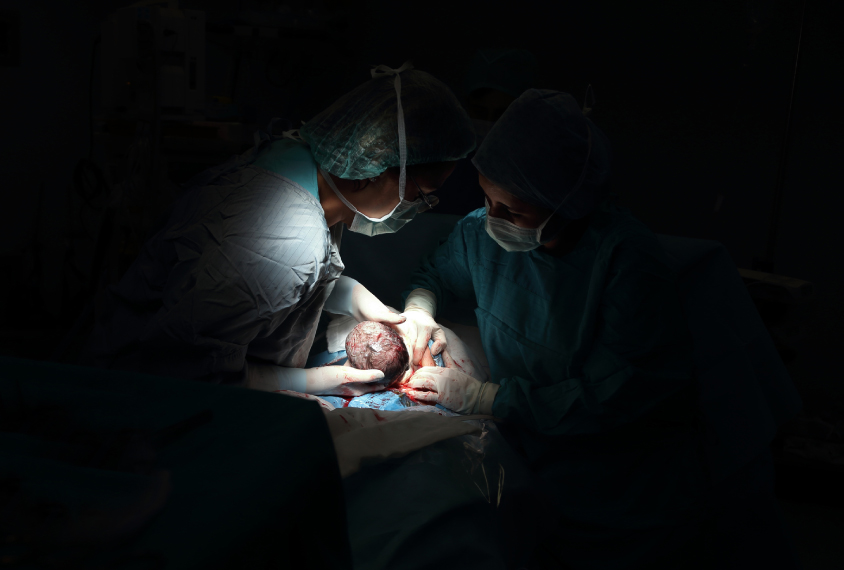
(430, 201)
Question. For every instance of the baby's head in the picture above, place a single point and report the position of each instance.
(373, 346)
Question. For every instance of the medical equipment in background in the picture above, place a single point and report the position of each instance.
(786, 306)
(152, 73)
(766, 263)
(153, 61)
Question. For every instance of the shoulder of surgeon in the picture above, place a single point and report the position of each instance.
(278, 219)
(615, 229)
(612, 227)
(267, 216)
(474, 221)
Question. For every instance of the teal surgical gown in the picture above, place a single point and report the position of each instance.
(593, 356)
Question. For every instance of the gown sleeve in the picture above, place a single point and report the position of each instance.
(236, 291)
(445, 272)
(640, 358)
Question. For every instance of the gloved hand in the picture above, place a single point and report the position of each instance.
(342, 381)
(452, 389)
(419, 327)
(460, 356)
(350, 298)
(337, 380)
(367, 307)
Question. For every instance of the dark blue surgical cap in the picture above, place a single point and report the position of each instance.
(512, 71)
(544, 151)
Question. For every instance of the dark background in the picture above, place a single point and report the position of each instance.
(693, 95)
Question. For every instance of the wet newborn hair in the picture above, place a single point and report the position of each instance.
(373, 346)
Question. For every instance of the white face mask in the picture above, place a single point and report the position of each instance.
(510, 236)
(402, 213)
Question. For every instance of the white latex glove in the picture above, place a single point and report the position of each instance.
(458, 355)
(452, 389)
(363, 435)
(367, 307)
(342, 381)
(336, 380)
(420, 327)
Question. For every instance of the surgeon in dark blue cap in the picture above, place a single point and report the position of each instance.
(495, 78)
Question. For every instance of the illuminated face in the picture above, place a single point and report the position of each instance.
(379, 198)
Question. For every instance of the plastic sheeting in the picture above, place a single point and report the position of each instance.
(467, 502)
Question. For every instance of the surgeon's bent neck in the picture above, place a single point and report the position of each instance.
(335, 211)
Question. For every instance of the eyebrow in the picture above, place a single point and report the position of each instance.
(509, 209)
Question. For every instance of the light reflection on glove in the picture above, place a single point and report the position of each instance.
(452, 389)
(459, 356)
(342, 381)
(420, 327)
(367, 307)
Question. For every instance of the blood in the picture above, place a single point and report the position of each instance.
(404, 390)
(375, 346)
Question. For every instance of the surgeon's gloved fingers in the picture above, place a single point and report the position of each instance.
(439, 341)
(451, 363)
(383, 315)
(407, 331)
(390, 318)
(367, 307)
(417, 383)
(422, 396)
(330, 379)
(365, 376)
(448, 361)
(420, 345)
(419, 334)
